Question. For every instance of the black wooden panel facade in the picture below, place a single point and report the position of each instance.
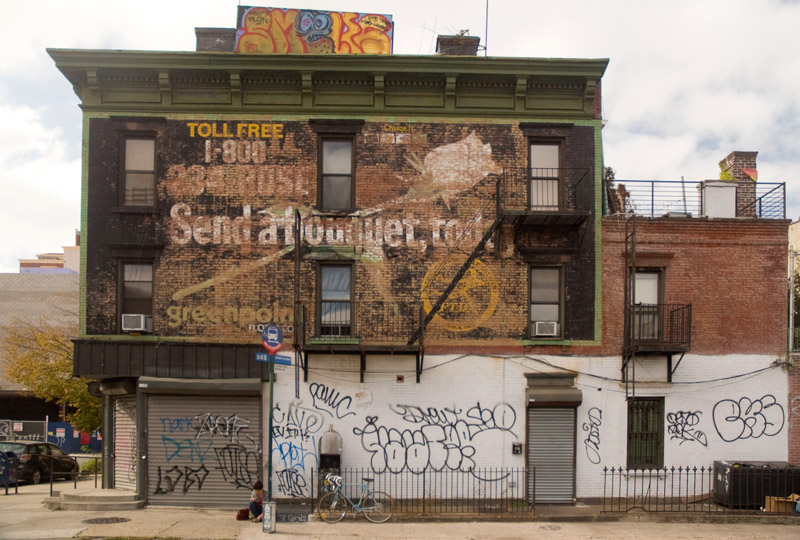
(102, 360)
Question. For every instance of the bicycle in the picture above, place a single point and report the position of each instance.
(376, 506)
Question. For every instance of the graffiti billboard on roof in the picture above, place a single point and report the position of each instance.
(264, 30)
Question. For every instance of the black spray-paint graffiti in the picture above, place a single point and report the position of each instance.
(442, 439)
(681, 425)
(231, 428)
(297, 423)
(592, 441)
(240, 466)
(172, 478)
(328, 400)
(748, 419)
(291, 483)
(477, 418)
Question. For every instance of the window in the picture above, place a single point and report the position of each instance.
(335, 300)
(137, 289)
(646, 312)
(645, 433)
(336, 188)
(139, 173)
(546, 305)
(545, 176)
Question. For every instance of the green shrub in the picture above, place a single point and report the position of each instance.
(91, 466)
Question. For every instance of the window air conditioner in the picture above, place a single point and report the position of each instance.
(134, 322)
(546, 328)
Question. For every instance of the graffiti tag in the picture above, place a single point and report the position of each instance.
(748, 419)
(681, 426)
(592, 441)
(328, 400)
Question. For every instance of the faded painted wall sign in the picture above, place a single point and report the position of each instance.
(472, 302)
(264, 30)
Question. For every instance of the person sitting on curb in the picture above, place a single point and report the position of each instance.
(257, 501)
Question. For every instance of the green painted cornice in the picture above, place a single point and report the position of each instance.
(152, 81)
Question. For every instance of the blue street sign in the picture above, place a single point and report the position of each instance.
(272, 338)
(279, 358)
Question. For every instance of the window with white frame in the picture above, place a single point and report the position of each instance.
(139, 171)
(335, 295)
(545, 175)
(546, 307)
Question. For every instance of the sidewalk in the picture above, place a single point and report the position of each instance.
(24, 517)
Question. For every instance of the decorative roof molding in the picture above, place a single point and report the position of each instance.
(149, 82)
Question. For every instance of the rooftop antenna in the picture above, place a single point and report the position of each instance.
(486, 32)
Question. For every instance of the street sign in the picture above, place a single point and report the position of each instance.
(272, 338)
(279, 359)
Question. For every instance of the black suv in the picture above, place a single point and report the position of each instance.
(36, 458)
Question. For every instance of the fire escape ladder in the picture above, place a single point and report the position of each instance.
(628, 351)
(461, 271)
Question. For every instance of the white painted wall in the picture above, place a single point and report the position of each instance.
(468, 410)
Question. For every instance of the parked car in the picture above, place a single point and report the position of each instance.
(36, 458)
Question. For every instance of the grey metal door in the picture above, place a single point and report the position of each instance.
(202, 450)
(551, 454)
(125, 443)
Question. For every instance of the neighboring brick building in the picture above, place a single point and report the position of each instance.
(428, 232)
(30, 298)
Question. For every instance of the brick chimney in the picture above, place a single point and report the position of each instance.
(740, 167)
(457, 45)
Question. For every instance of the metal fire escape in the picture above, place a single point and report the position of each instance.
(649, 329)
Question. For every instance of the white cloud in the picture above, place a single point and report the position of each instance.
(41, 187)
(688, 82)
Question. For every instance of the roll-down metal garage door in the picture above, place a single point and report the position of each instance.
(202, 450)
(551, 451)
(125, 443)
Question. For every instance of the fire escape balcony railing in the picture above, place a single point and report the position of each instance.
(662, 198)
(360, 322)
(542, 191)
(658, 328)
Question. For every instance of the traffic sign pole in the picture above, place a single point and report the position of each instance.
(272, 339)
(269, 437)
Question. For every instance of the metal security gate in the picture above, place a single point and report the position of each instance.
(551, 451)
(202, 450)
(125, 443)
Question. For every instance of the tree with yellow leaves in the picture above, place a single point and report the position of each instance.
(39, 357)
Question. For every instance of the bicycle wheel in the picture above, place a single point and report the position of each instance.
(332, 507)
(378, 507)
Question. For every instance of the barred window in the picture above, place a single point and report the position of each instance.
(645, 433)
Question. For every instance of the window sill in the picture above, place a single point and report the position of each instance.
(322, 212)
(528, 342)
(334, 341)
(135, 209)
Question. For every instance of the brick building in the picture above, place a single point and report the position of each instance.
(429, 234)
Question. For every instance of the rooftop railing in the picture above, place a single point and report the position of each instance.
(665, 198)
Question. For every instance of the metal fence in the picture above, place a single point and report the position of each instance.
(479, 491)
(90, 468)
(721, 488)
(369, 322)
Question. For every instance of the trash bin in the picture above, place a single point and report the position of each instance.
(746, 484)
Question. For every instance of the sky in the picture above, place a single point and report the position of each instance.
(688, 82)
